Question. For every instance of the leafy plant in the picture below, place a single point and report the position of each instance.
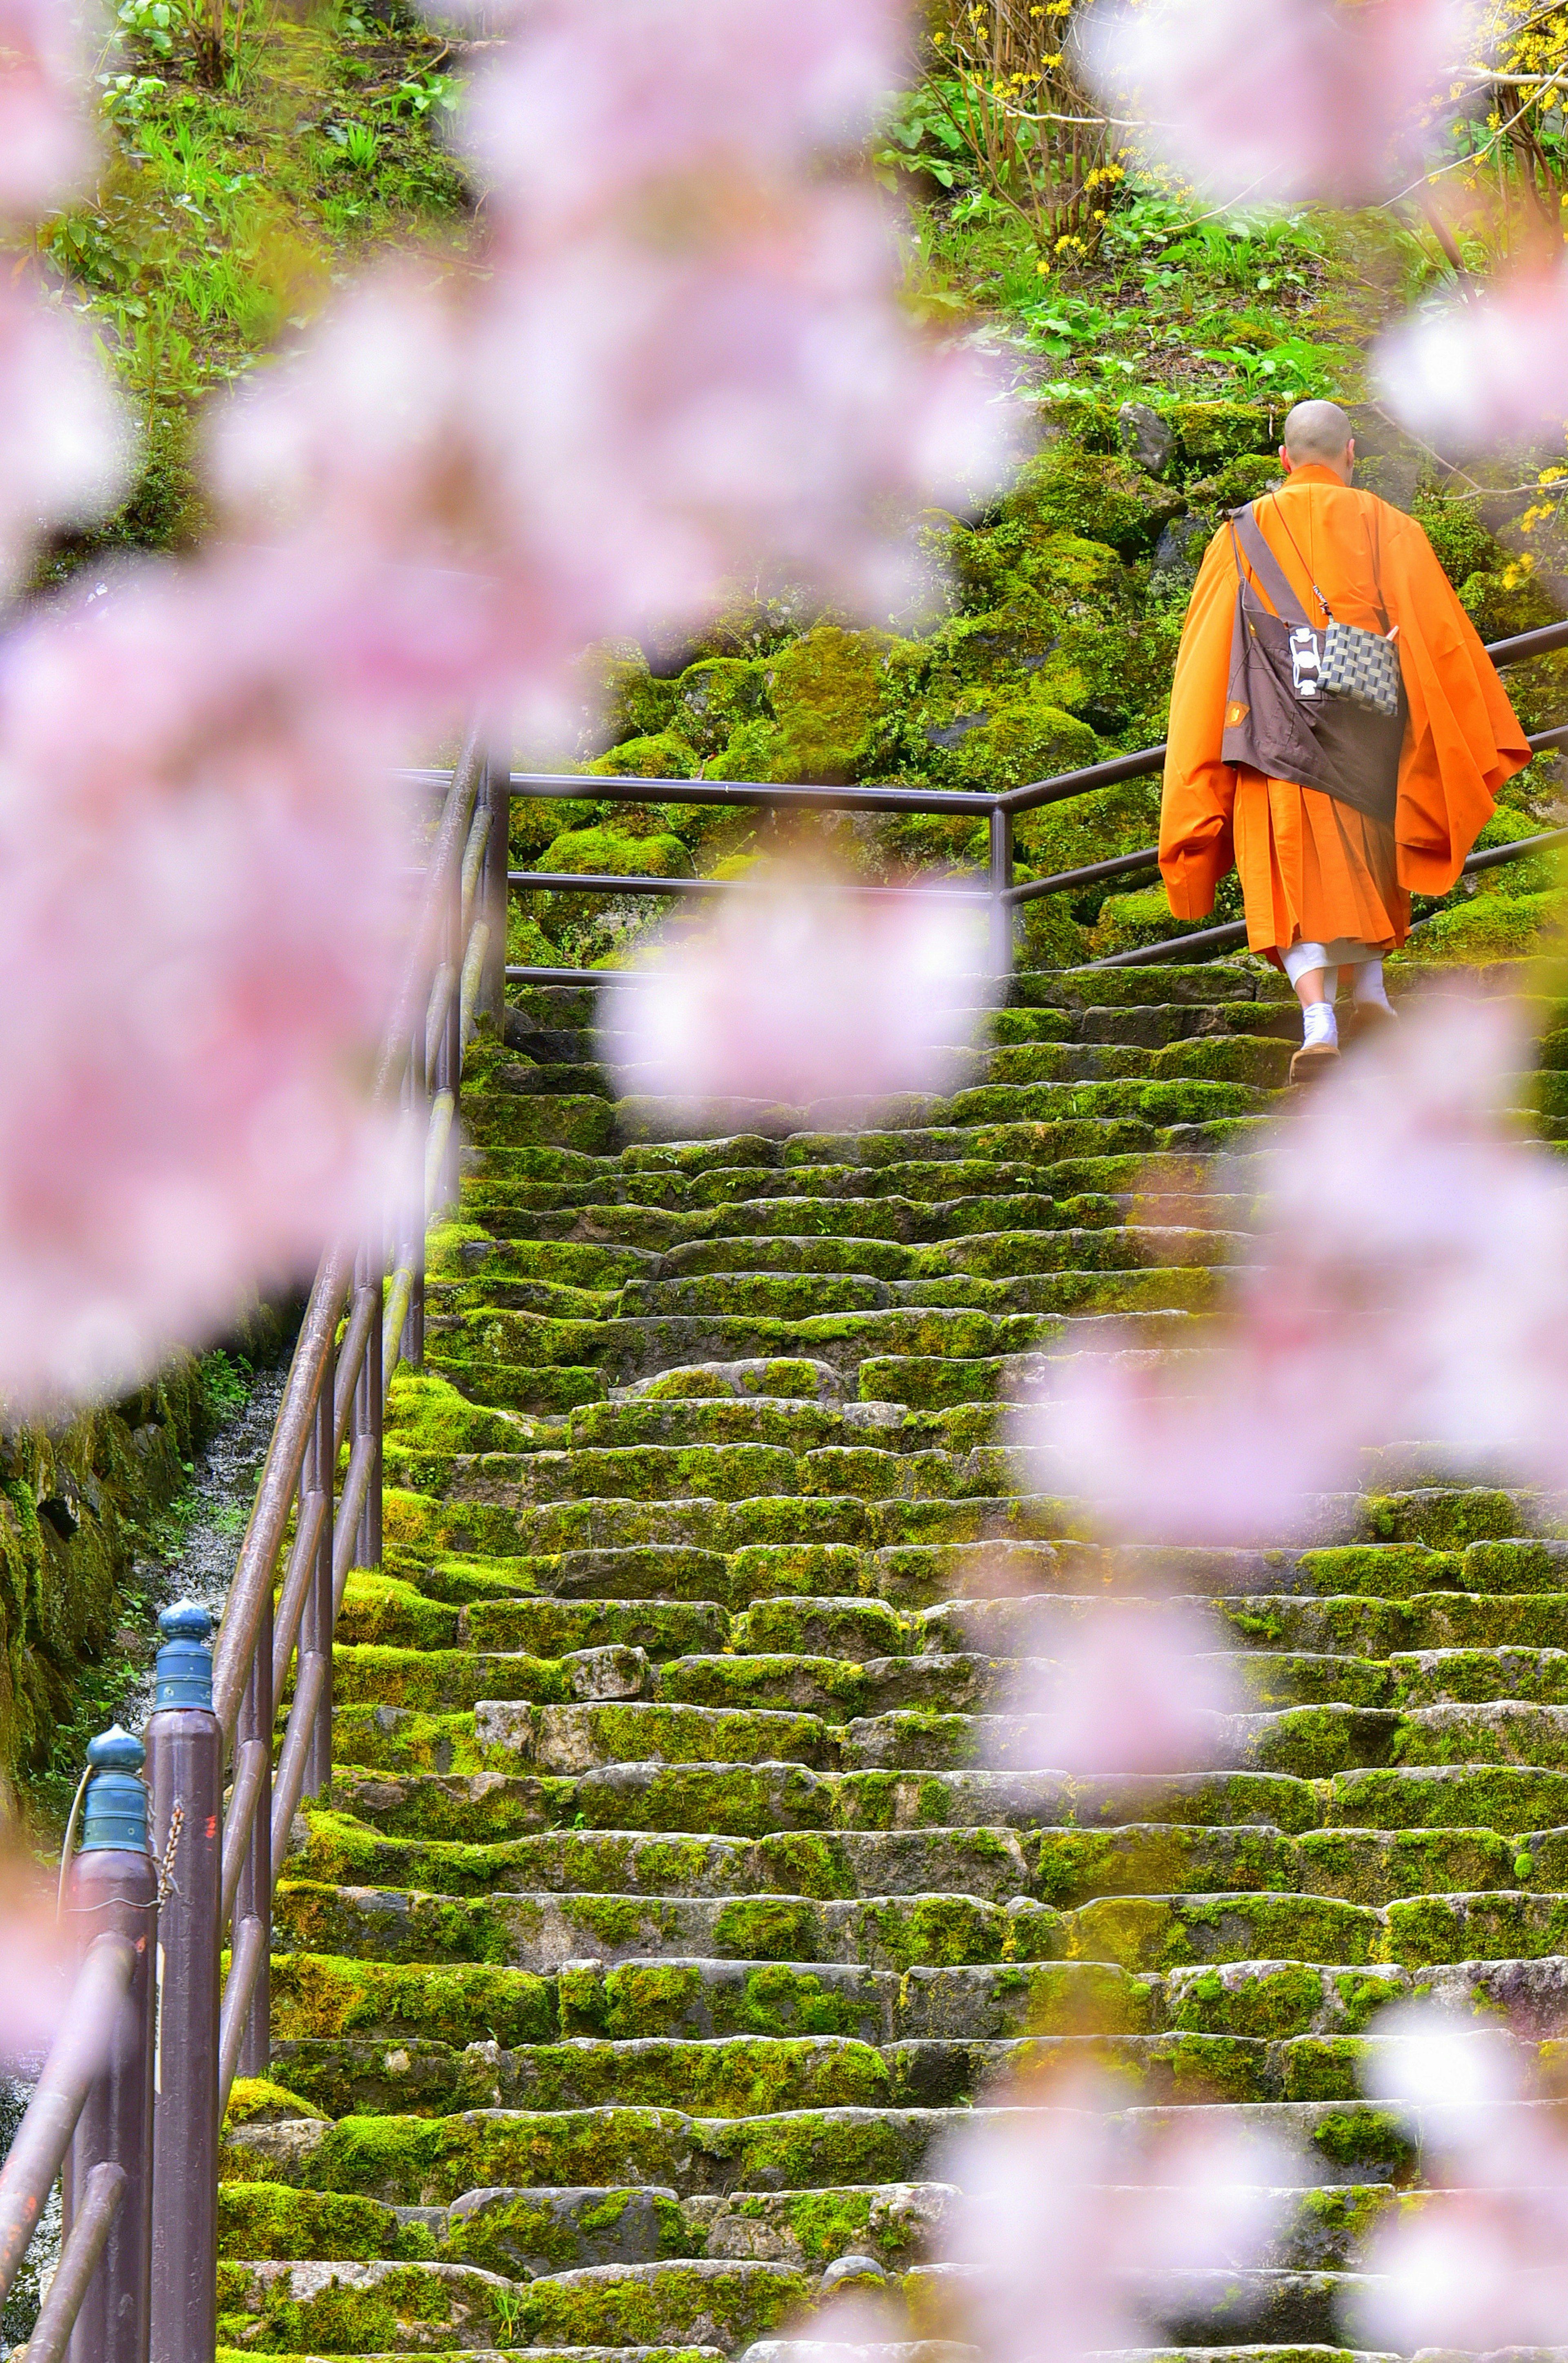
(1034, 140)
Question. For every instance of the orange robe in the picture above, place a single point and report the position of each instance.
(1312, 869)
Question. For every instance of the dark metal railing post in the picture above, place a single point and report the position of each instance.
(367, 1413)
(1001, 879)
(449, 1058)
(253, 1898)
(494, 889)
(316, 1636)
(114, 1891)
(416, 1099)
(184, 1768)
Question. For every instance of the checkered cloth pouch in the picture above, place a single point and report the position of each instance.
(1362, 666)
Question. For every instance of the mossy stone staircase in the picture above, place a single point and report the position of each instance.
(661, 1921)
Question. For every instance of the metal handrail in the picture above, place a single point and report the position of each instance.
(335, 1393)
(1001, 894)
(1234, 931)
(75, 2059)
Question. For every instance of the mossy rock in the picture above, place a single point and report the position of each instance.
(617, 851)
(538, 821)
(625, 698)
(1464, 547)
(664, 756)
(1499, 604)
(1072, 571)
(1116, 682)
(1213, 432)
(1102, 497)
(825, 691)
(1241, 479)
(1122, 818)
(1127, 922)
(1023, 738)
(714, 698)
(1489, 927)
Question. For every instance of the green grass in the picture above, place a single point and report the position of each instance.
(228, 209)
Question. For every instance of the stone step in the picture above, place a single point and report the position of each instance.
(432, 2161)
(951, 1682)
(540, 1929)
(776, 1799)
(321, 1997)
(755, 2075)
(696, 2304)
(1067, 1868)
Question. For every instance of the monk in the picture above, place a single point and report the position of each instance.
(1327, 869)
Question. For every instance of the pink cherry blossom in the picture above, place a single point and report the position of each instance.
(1481, 2262)
(1126, 1689)
(794, 992)
(64, 444)
(38, 1957)
(1272, 100)
(44, 142)
(602, 435)
(1488, 369)
(200, 858)
(1070, 2215)
(595, 104)
(1407, 1281)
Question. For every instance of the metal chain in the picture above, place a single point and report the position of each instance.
(166, 1867)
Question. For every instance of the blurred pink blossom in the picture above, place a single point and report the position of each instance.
(1408, 1281)
(1481, 2261)
(1273, 100)
(45, 145)
(601, 437)
(200, 865)
(1489, 370)
(794, 992)
(598, 102)
(38, 1958)
(64, 444)
(1071, 2214)
(1132, 1689)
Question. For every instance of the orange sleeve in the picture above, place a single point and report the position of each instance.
(1196, 849)
(1464, 739)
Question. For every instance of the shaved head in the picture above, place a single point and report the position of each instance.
(1317, 431)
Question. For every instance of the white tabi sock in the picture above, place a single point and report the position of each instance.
(1319, 1029)
(1369, 987)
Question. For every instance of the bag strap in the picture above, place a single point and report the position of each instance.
(1371, 555)
(1246, 532)
(1296, 546)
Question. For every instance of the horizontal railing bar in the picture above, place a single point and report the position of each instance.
(596, 881)
(102, 2194)
(351, 1361)
(252, 1771)
(252, 1943)
(275, 1495)
(471, 983)
(1148, 955)
(563, 975)
(75, 2061)
(1522, 646)
(293, 1756)
(781, 795)
(1519, 848)
(1035, 793)
(1234, 931)
(620, 788)
(297, 1586)
(1119, 865)
(356, 1483)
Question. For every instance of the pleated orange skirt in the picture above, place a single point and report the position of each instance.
(1313, 868)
